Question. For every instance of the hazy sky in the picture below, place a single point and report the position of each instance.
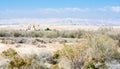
(90, 9)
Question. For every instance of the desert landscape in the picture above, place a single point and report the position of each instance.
(59, 34)
(59, 47)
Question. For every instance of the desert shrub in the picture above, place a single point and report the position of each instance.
(18, 34)
(51, 34)
(102, 47)
(54, 59)
(47, 29)
(9, 53)
(95, 64)
(5, 33)
(90, 65)
(99, 47)
(55, 67)
(40, 60)
(110, 31)
(71, 33)
(79, 33)
(29, 34)
(114, 34)
(47, 33)
(15, 60)
(104, 30)
(56, 55)
(18, 62)
(2, 34)
(4, 41)
(74, 54)
(63, 41)
(34, 34)
(23, 62)
(67, 34)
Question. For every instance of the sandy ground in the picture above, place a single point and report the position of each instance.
(27, 50)
(30, 49)
(56, 27)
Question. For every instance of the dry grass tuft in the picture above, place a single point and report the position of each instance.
(97, 49)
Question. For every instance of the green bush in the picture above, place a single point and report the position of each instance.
(9, 53)
(19, 62)
(90, 65)
(93, 64)
(47, 29)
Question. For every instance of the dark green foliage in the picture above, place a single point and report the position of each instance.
(47, 29)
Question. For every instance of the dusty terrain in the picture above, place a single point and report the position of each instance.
(56, 27)
(44, 47)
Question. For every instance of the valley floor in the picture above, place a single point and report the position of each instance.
(96, 46)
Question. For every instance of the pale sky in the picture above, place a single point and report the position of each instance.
(83, 9)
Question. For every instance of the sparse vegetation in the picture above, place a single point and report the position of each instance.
(47, 33)
(74, 54)
(81, 50)
(18, 62)
(99, 47)
(9, 53)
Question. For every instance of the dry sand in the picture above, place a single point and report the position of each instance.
(8, 27)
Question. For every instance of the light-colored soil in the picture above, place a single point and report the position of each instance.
(30, 49)
(27, 49)
(55, 27)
